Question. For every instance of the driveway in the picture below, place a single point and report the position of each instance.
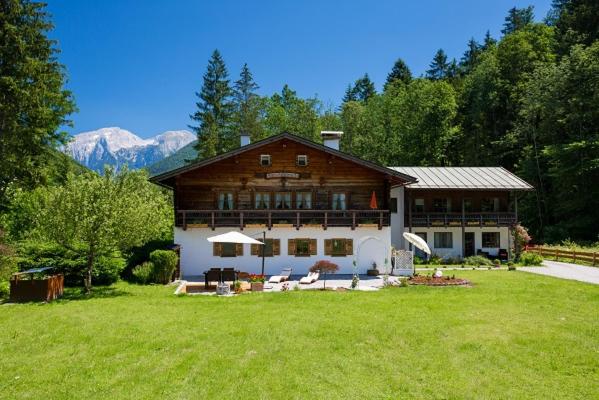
(566, 271)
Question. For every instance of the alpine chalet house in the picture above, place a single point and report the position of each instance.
(314, 202)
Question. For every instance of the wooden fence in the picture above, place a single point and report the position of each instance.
(574, 255)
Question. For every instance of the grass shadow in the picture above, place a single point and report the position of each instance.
(98, 292)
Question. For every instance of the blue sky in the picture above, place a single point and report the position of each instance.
(137, 64)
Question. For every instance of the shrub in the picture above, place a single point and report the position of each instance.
(418, 260)
(477, 261)
(8, 265)
(140, 254)
(165, 262)
(528, 258)
(144, 272)
(451, 261)
(496, 261)
(435, 259)
(325, 267)
(71, 263)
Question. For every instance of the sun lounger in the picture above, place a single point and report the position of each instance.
(310, 278)
(284, 276)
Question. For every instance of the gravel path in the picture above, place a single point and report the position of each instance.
(566, 271)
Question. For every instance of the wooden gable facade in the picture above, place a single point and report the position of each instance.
(285, 178)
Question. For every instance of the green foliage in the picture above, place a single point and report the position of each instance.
(530, 259)
(7, 265)
(33, 104)
(165, 262)
(144, 272)
(477, 261)
(517, 18)
(439, 67)
(70, 262)
(101, 214)
(400, 72)
(214, 111)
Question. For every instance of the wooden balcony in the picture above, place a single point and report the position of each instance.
(281, 218)
(469, 219)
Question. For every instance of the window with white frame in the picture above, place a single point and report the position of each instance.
(443, 240)
(282, 200)
(338, 201)
(225, 201)
(262, 200)
(302, 160)
(265, 160)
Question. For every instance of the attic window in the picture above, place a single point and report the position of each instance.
(265, 160)
(302, 160)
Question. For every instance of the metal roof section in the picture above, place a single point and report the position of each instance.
(464, 178)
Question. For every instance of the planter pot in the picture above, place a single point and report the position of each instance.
(257, 286)
(372, 272)
(197, 225)
(283, 225)
(369, 225)
(255, 225)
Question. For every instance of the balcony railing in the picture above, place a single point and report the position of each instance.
(282, 218)
(479, 219)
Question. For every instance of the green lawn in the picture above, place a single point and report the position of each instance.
(511, 335)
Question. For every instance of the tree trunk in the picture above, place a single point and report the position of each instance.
(87, 280)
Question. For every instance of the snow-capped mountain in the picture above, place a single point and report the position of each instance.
(117, 147)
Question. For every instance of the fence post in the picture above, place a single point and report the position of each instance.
(574, 254)
(556, 254)
(594, 257)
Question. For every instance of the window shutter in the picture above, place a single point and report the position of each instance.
(349, 247)
(276, 247)
(254, 249)
(238, 249)
(217, 249)
(291, 247)
(328, 247)
(312, 247)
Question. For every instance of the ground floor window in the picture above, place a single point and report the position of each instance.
(271, 248)
(338, 247)
(301, 247)
(443, 240)
(491, 239)
(227, 249)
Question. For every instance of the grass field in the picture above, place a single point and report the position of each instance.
(511, 335)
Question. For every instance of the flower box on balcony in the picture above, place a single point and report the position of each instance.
(283, 225)
(369, 225)
(312, 225)
(197, 225)
(255, 225)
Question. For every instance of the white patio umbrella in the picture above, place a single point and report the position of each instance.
(417, 241)
(233, 237)
(237, 237)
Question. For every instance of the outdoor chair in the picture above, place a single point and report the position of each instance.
(284, 276)
(213, 275)
(310, 278)
(228, 275)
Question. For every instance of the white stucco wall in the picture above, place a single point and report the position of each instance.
(456, 250)
(397, 219)
(370, 245)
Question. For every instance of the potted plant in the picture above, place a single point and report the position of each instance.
(373, 271)
(511, 266)
(496, 262)
(237, 287)
(257, 282)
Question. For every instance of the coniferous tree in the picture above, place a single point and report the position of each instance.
(489, 41)
(400, 72)
(33, 102)
(576, 22)
(470, 57)
(214, 110)
(247, 106)
(364, 88)
(438, 67)
(517, 18)
(350, 94)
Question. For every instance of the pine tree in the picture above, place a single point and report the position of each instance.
(214, 110)
(364, 89)
(517, 18)
(470, 57)
(489, 41)
(33, 102)
(247, 106)
(399, 72)
(350, 94)
(438, 67)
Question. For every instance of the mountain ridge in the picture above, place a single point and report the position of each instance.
(119, 147)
